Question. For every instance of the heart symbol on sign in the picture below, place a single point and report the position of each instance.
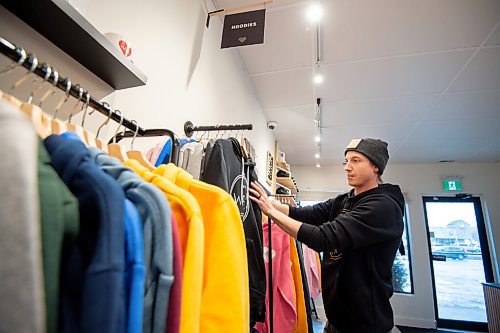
(242, 39)
(123, 47)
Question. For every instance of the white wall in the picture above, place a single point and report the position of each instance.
(418, 180)
(189, 76)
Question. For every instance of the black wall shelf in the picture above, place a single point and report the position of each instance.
(64, 26)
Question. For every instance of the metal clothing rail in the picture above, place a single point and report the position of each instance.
(189, 128)
(30, 62)
(153, 133)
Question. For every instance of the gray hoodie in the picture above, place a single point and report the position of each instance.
(22, 307)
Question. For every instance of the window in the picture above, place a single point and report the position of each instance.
(402, 280)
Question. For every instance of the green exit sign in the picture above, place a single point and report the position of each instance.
(452, 185)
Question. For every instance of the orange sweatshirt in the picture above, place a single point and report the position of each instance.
(300, 301)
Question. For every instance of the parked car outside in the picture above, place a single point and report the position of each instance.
(473, 250)
(452, 252)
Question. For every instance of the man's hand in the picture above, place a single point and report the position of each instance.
(281, 207)
(276, 213)
(259, 196)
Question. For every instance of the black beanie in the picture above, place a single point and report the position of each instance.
(374, 149)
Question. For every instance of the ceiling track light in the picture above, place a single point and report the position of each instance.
(318, 150)
(317, 127)
(315, 12)
(317, 113)
(318, 78)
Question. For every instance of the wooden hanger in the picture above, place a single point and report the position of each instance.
(101, 145)
(243, 146)
(12, 100)
(90, 137)
(74, 128)
(58, 126)
(35, 114)
(46, 119)
(34, 64)
(137, 154)
(99, 142)
(114, 149)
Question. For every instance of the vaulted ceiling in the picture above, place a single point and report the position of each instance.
(423, 75)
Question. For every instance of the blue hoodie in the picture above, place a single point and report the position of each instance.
(155, 214)
(134, 268)
(92, 283)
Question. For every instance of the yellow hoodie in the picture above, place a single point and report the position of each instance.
(188, 216)
(225, 305)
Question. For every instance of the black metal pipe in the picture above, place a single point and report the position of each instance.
(189, 128)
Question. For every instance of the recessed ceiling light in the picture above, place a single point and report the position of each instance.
(316, 155)
(317, 138)
(318, 165)
(314, 13)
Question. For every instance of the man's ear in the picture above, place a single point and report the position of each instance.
(376, 169)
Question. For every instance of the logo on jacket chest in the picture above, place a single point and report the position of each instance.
(335, 255)
(239, 192)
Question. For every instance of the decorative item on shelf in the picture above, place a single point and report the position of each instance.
(79, 39)
(283, 165)
(281, 157)
(286, 182)
(282, 173)
(280, 189)
(121, 43)
(269, 168)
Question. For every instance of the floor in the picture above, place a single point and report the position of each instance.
(405, 329)
(318, 328)
(319, 323)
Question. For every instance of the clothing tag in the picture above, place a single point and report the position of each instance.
(353, 144)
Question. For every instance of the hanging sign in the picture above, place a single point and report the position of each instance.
(243, 29)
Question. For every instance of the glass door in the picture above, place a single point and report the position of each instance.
(460, 260)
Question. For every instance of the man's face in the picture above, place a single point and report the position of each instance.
(359, 169)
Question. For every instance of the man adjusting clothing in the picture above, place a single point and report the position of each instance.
(358, 232)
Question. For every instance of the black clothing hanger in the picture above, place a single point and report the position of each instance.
(174, 155)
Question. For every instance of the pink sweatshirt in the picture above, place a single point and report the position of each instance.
(312, 271)
(285, 312)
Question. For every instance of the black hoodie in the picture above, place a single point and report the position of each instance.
(359, 236)
(225, 168)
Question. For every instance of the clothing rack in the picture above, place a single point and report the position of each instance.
(189, 128)
(152, 133)
(48, 73)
